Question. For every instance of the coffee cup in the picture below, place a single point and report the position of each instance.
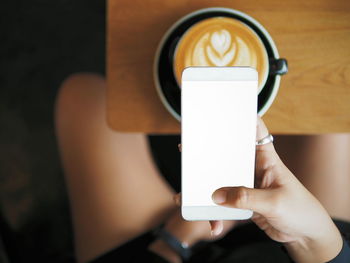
(216, 37)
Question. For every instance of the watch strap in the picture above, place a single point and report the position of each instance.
(181, 248)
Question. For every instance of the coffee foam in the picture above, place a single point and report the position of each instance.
(221, 41)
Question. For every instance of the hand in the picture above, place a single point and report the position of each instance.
(284, 208)
(218, 229)
(189, 232)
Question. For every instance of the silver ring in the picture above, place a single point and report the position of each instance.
(265, 140)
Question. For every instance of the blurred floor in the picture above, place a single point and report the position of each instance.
(42, 42)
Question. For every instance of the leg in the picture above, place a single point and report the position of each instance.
(321, 163)
(115, 190)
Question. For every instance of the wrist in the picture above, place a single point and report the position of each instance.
(309, 250)
(162, 249)
(182, 249)
(185, 235)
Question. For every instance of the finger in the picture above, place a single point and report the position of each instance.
(263, 225)
(266, 155)
(262, 132)
(256, 216)
(216, 227)
(258, 220)
(179, 147)
(177, 199)
(265, 173)
(257, 200)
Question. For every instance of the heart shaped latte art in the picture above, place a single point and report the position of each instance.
(220, 51)
(221, 41)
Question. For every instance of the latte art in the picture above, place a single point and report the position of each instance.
(221, 49)
(221, 42)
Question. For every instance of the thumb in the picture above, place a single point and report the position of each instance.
(257, 200)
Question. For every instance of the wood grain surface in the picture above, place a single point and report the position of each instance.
(314, 36)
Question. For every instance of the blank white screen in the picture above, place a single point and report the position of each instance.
(218, 137)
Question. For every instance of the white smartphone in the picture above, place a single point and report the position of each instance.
(218, 130)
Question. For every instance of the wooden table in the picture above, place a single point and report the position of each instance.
(314, 36)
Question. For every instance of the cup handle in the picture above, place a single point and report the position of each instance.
(278, 66)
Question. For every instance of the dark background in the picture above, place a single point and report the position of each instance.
(41, 43)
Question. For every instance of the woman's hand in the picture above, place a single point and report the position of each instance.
(284, 208)
(191, 232)
(188, 232)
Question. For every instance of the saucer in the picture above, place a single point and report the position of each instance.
(166, 84)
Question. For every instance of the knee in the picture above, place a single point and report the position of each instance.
(79, 91)
(79, 94)
(79, 87)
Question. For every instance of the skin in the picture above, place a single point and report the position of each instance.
(106, 188)
(279, 203)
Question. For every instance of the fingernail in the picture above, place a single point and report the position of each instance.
(219, 197)
(217, 231)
